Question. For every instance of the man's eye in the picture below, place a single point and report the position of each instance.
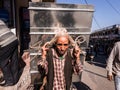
(65, 44)
(59, 44)
(62, 44)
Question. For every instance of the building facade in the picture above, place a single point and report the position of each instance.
(15, 14)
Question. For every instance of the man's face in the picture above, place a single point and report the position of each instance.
(62, 45)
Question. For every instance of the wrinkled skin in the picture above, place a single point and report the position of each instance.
(62, 45)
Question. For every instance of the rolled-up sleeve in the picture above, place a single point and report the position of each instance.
(77, 67)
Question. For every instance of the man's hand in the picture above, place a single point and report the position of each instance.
(110, 77)
(26, 58)
(76, 53)
(44, 50)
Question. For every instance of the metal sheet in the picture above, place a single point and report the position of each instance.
(45, 19)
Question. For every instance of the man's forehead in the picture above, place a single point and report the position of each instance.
(62, 40)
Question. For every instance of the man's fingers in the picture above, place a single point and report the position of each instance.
(25, 55)
(44, 46)
(110, 77)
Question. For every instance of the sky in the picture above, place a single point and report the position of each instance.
(106, 12)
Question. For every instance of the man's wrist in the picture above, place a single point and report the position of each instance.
(43, 57)
(78, 60)
(109, 73)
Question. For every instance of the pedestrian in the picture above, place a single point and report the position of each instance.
(59, 61)
(113, 65)
(10, 63)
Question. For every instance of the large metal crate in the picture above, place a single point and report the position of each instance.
(44, 17)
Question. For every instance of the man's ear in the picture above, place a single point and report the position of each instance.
(71, 46)
(54, 45)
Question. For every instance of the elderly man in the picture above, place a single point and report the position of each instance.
(60, 61)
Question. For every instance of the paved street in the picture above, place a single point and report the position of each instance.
(94, 75)
(95, 78)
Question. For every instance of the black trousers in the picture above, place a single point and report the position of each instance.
(10, 63)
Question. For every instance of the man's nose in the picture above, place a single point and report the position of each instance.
(62, 47)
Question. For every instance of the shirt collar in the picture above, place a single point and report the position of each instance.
(56, 56)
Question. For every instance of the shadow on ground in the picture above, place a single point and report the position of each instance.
(78, 85)
(81, 86)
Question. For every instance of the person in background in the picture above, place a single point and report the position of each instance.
(60, 61)
(11, 65)
(113, 65)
